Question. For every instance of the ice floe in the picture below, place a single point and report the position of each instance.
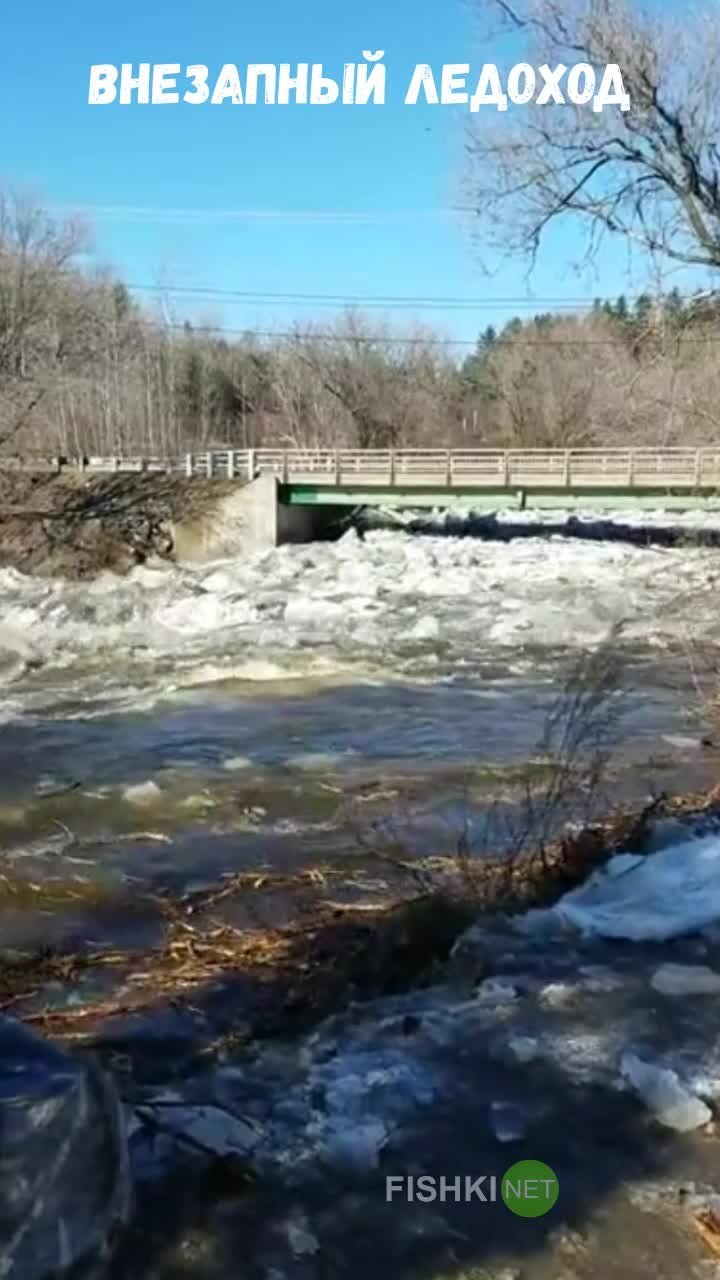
(664, 895)
(388, 603)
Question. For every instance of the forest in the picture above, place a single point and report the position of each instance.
(84, 367)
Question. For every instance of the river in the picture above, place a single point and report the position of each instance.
(269, 711)
(302, 710)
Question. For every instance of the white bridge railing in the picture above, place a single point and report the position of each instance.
(602, 469)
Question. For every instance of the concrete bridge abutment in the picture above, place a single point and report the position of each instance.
(251, 519)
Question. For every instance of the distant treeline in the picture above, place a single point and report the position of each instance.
(83, 367)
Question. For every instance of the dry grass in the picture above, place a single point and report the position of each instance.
(300, 972)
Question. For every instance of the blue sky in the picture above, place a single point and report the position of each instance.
(398, 163)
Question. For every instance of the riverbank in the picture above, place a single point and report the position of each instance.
(276, 979)
(274, 1077)
(74, 527)
(412, 1044)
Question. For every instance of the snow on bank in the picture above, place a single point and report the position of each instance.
(389, 602)
(653, 898)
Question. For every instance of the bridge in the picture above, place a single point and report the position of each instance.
(479, 478)
(493, 477)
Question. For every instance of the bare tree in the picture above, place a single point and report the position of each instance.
(35, 255)
(380, 392)
(650, 175)
(85, 368)
(563, 387)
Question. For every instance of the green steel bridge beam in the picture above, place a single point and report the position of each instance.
(497, 498)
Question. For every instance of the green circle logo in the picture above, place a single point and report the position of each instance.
(530, 1188)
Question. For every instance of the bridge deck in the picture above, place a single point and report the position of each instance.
(479, 470)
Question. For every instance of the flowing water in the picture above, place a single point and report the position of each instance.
(163, 730)
(185, 722)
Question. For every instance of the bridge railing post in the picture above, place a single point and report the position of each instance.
(637, 469)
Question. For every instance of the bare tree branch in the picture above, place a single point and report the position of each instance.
(651, 175)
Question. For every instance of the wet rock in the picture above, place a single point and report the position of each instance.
(685, 980)
(662, 1092)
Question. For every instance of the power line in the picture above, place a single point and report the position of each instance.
(144, 213)
(450, 302)
(390, 340)
(390, 301)
(400, 299)
(293, 335)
